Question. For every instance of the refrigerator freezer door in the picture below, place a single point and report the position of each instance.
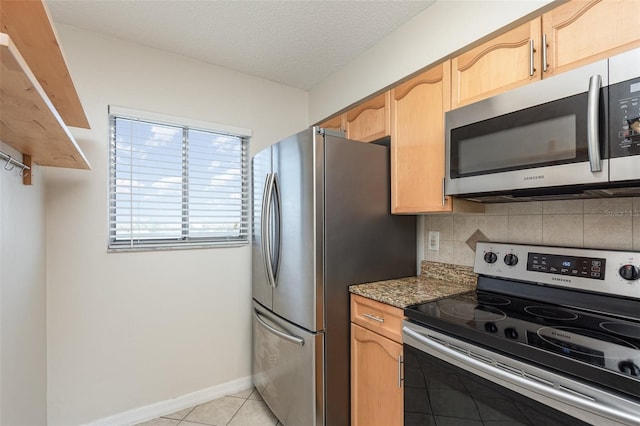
(288, 369)
(297, 295)
(261, 172)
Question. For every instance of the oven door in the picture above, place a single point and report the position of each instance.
(448, 381)
(549, 133)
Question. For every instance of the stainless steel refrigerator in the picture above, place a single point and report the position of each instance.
(321, 221)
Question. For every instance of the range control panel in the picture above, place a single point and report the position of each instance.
(584, 267)
(602, 271)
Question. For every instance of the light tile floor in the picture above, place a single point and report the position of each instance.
(242, 409)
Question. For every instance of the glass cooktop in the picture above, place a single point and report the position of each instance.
(596, 347)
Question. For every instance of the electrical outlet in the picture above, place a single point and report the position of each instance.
(434, 240)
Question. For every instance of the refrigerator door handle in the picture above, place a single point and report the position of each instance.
(289, 337)
(267, 230)
(264, 229)
(277, 236)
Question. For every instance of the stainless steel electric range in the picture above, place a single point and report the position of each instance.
(551, 336)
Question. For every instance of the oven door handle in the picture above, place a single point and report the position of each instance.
(465, 361)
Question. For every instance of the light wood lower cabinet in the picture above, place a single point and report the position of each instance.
(376, 364)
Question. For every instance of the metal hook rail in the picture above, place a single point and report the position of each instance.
(10, 161)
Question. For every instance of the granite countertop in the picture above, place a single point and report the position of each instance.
(437, 280)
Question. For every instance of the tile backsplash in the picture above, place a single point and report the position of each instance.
(610, 223)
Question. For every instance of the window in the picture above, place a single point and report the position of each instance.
(175, 185)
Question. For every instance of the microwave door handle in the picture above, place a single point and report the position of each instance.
(593, 142)
(444, 196)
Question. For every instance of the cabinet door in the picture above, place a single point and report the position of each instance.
(376, 397)
(336, 123)
(378, 317)
(579, 32)
(417, 142)
(497, 65)
(369, 121)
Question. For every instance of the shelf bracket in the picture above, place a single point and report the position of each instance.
(26, 172)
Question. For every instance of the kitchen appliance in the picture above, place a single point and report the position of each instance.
(551, 336)
(574, 135)
(321, 221)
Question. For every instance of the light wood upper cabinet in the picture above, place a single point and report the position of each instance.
(417, 142)
(580, 32)
(336, 123)
(498, 65)
(571, 35)
(376, 363)
(369, 121)
(417, 145)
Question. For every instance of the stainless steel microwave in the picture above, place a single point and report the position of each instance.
(576, 134)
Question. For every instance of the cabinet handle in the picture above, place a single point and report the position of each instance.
(532, 69)
(545, 66)
(373, 317)
(400, 379)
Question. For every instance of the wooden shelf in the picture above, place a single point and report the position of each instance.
(29, 122)
(29, 26)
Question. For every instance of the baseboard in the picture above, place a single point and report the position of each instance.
(162, 408)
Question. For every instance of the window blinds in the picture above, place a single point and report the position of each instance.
(176, 186)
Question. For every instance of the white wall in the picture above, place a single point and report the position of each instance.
(23, 351)
(443, 28)
(130, 329)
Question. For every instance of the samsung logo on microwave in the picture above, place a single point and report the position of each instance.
(564, 280)
(536, 177)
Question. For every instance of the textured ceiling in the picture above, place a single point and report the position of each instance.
(297, 42)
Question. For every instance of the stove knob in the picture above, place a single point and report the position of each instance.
(490, 257)
(490, 327)
(511, 259)
(629, 272)
(629, 368)
(511, 333)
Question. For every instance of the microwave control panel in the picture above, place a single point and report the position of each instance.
(624, 102)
